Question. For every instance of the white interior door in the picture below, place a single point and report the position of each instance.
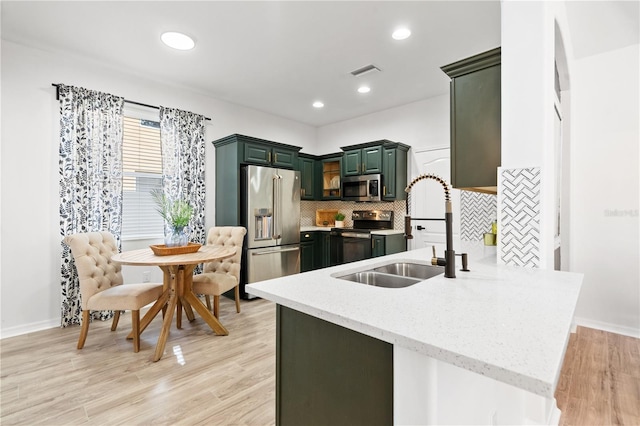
(427, 201)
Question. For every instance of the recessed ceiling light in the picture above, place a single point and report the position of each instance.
(177, 40)
(364, 89)
(318, 104)
(401, 33)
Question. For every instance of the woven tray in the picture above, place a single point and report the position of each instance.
(163, 250)
(326, 217)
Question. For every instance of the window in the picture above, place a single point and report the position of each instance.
(142, 173)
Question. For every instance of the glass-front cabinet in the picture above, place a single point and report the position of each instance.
(329, 170)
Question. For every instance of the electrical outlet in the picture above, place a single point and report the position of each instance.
(145, 277)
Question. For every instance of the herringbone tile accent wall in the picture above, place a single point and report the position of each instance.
(477, 211)
(519, 223)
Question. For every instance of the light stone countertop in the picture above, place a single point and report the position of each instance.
(508, 323)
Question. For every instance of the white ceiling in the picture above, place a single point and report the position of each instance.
(279, 57)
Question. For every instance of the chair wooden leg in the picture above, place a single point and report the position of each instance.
(135, 325)
(237, 297)
(116, 318)
(207, 298)
(84, 330)
(216, 306)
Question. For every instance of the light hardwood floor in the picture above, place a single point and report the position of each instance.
(230, 380)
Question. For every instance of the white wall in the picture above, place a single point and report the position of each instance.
(605, 187)
(422, 125)
(603, 138)
(30, 236)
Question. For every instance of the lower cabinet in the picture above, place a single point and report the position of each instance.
(314, 250)
(329, 375)
(307, 251)
(381, 245)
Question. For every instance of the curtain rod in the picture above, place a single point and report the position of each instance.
(57, 86)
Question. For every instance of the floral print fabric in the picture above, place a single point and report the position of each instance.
(90, 179)
(182, 135)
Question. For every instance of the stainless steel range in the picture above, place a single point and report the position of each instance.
(352, 244)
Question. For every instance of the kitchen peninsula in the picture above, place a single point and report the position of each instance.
(484, 348)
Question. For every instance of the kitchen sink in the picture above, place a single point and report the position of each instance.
(394, 275)
(415, 270)
(380, 279)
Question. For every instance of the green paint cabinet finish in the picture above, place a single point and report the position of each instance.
(307, 251)
(385, 157)
(314, 250)
(475, 121)
(329, 176)
(235, 150)
(329, 375)
(307, 168)
(377, 245)
(361, 161)
(267, 154)
(394, 171)
(382, 245)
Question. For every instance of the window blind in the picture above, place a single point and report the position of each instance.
(142, 173)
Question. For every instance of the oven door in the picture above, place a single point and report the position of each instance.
(349, 247)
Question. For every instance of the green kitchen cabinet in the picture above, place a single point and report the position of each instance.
(329, 375)
(270, 154)
(307, 167)
(323, 249)
(362, 159)
(328, 174)
(232, 152)
(382, 245)
(307, 251)
(314, 250)
(394, 171)
(475, 91)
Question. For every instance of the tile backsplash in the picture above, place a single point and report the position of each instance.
(477, 211)
(308, 210)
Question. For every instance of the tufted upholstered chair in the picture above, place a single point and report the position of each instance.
(101, 281)
(222, 275)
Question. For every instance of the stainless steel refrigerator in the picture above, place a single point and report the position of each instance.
(270, 210)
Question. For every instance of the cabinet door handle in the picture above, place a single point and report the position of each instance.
(384, 190)
(364, 168)
(275, 157)
(268, 157)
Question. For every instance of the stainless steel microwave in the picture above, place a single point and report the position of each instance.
(362, 188)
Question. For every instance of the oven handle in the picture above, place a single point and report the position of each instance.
(355, 235)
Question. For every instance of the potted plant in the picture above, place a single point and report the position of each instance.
(177, 215)
(339, 220)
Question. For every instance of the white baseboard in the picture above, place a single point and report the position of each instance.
(29, 328)
(604, 326)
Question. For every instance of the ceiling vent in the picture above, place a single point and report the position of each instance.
(365, 70)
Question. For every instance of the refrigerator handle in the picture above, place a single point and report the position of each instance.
(277, 204)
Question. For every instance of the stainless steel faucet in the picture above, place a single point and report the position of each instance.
(448, 261)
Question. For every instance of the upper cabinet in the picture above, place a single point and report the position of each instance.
(235, 150)
(394, 171)
(328, 173)
(266, 153)
(385, 157)
(307, 168)
(475, 121)
(362, 159)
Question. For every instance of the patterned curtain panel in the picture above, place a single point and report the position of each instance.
(90, 179)
(183, 159)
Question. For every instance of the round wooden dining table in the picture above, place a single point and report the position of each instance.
(177, 284)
